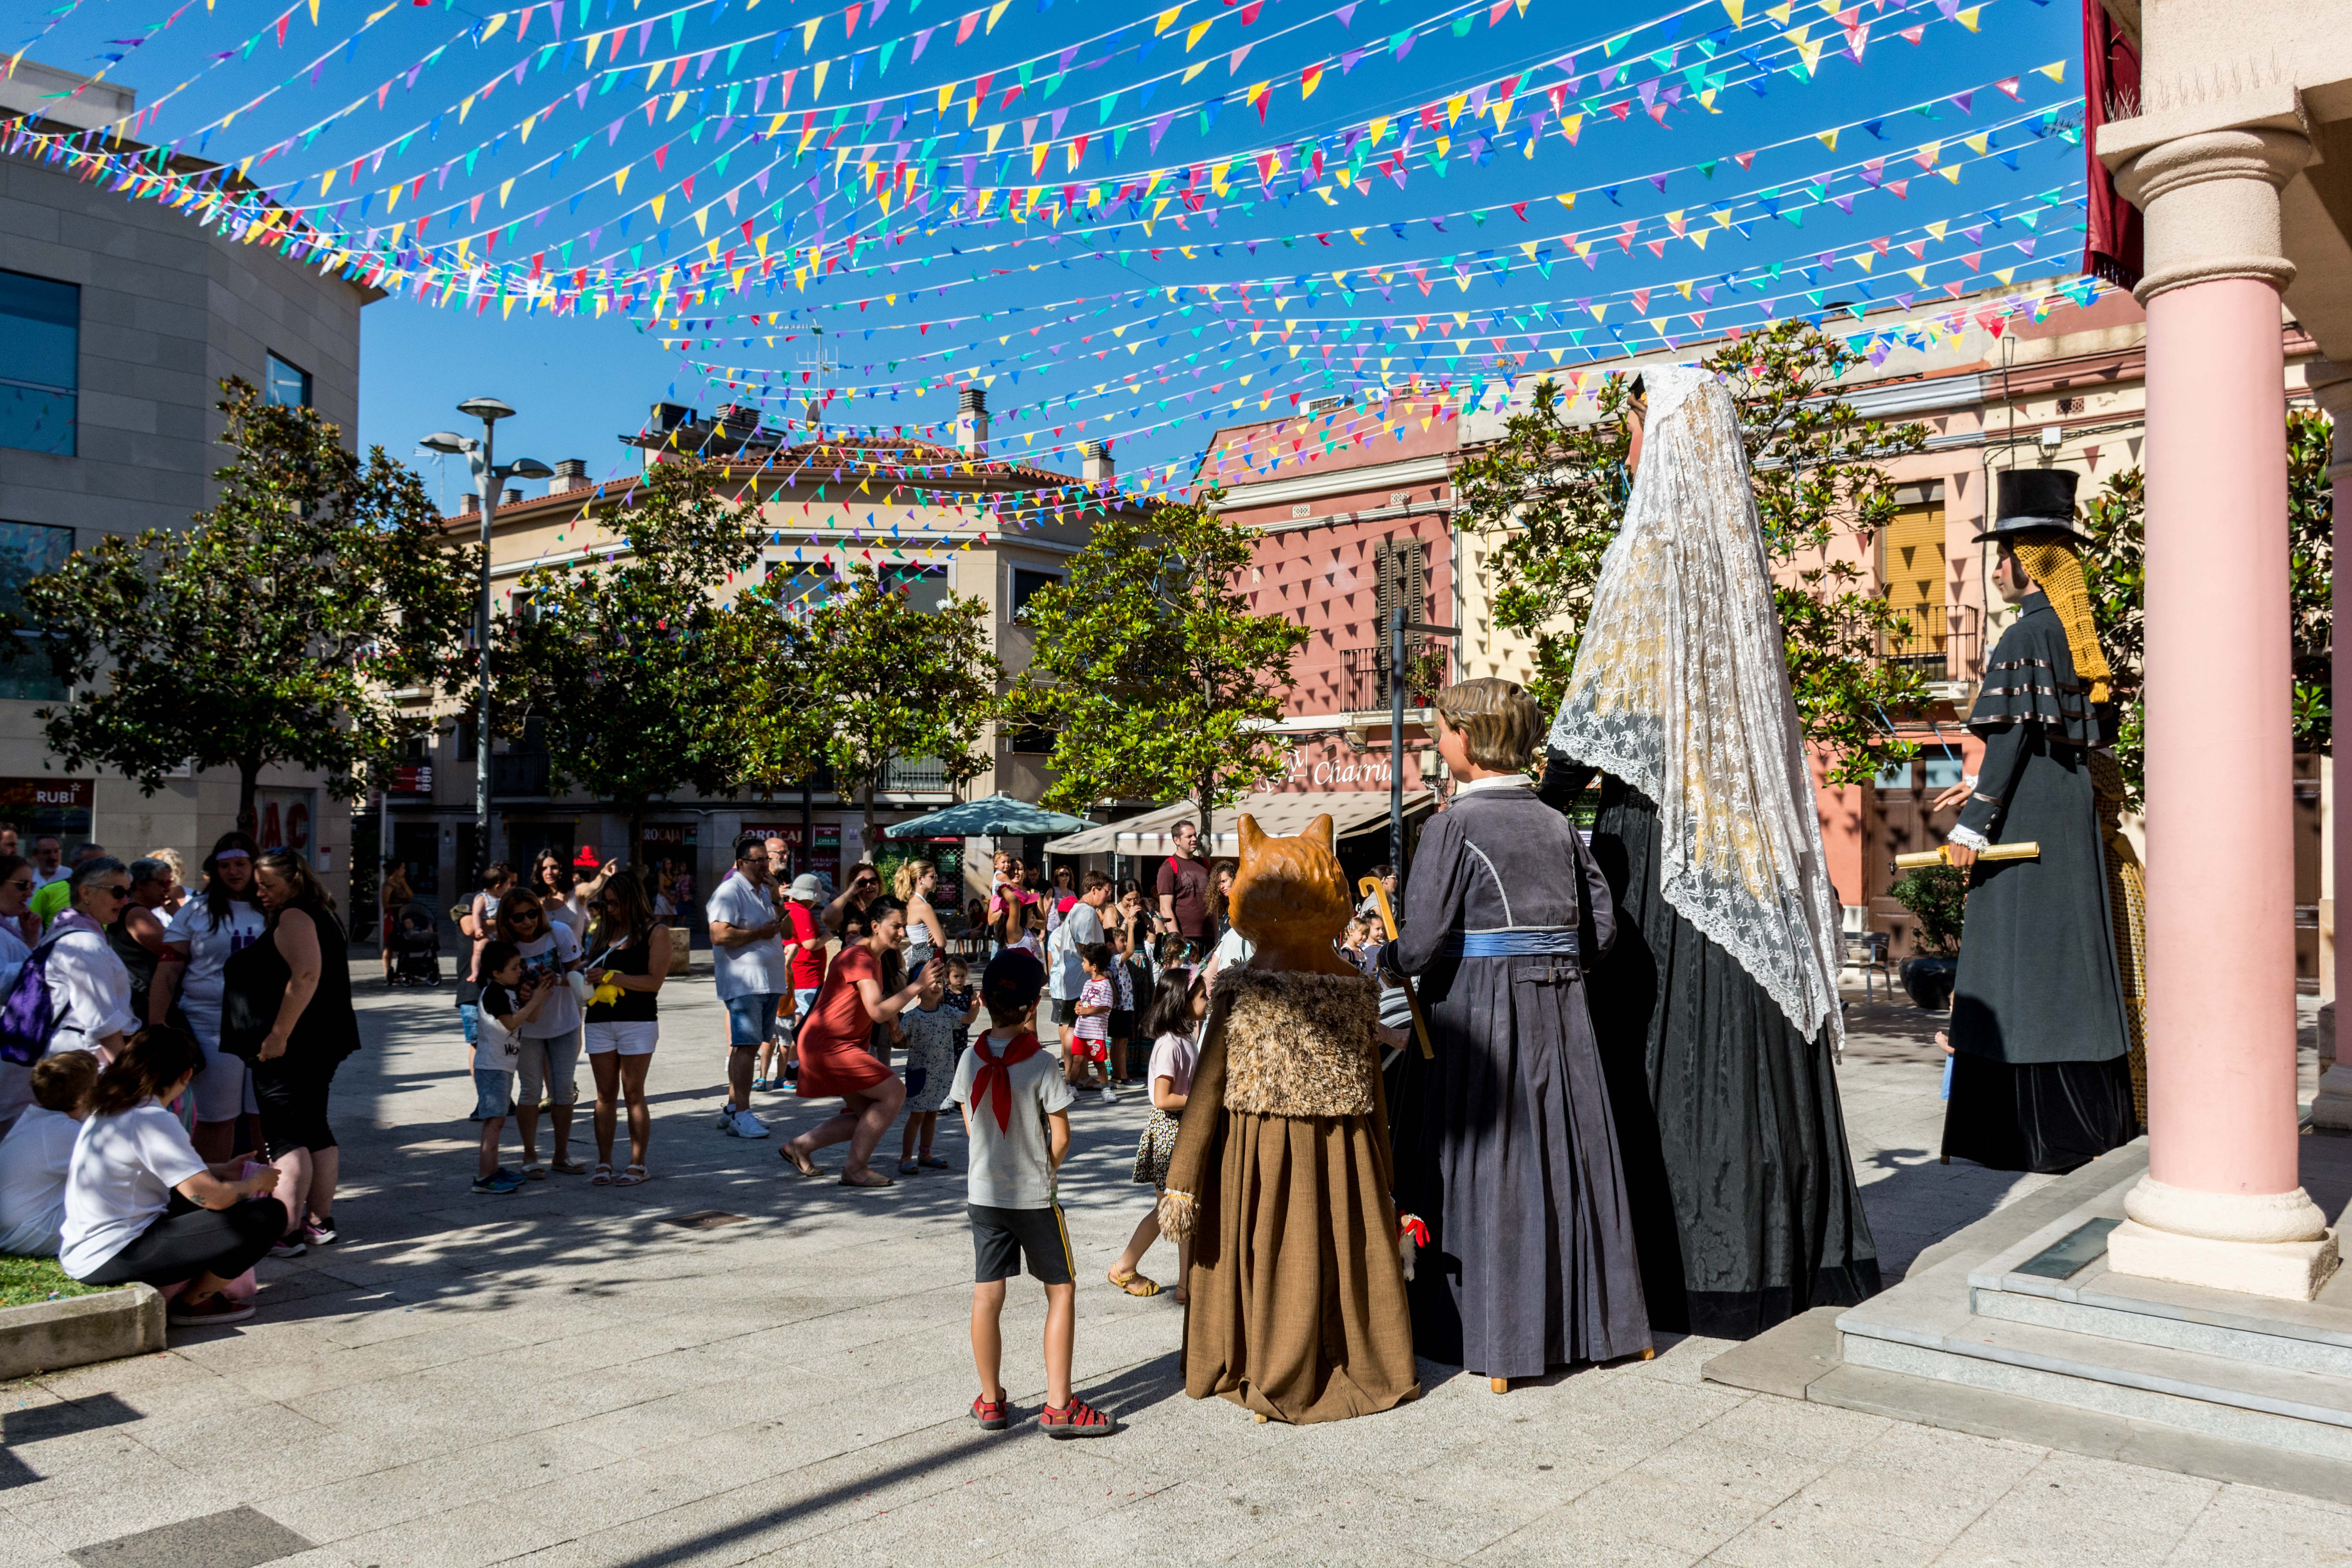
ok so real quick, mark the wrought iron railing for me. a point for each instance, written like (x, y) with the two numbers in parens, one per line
(1364, 684)
(915, 775)
(1943, 642)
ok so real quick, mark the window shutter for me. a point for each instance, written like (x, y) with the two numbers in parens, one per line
(1384, 593)
(1413, 577)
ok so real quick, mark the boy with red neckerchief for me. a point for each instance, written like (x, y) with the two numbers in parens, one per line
(1016, 1116)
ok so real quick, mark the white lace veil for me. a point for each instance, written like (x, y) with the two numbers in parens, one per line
(1681, 689)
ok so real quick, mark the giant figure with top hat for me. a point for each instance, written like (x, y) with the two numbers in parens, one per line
(2040, 1031)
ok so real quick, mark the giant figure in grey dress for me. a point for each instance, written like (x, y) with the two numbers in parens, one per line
(2042, 1066)
(1505, 1144)
(1716, 1010)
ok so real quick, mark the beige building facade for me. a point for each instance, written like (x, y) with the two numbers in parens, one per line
(119, 321)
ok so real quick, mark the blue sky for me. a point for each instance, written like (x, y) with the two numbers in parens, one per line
(1462, 250)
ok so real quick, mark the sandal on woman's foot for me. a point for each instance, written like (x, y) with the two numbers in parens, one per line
(602, 1176)
(871, 1179)
(908, 1168)
(801, 1163)
(1179, 1297)
(1135, 1284)
(630, 1176)
(534, 1172)
(933, 1162)
(569, 1167)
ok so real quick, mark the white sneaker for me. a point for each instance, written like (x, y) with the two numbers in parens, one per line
(1109, 1095)
(744, 1124)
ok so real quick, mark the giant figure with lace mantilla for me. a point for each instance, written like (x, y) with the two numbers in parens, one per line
(1716, 1009)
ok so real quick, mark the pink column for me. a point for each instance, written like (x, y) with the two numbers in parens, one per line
(2223, 1203)
(2221, 867)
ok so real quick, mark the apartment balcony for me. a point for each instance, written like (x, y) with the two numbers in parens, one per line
(1364, 681)
(915, 776)
(1945, 643)
(519, 775)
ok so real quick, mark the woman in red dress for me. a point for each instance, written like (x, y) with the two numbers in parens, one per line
(835, 1057)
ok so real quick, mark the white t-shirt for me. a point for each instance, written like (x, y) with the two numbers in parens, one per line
(124, 1168)
(543, 960)
(90, 990)
(33, 1159)
(1013, 1168)
(43, 879)
(209, 950)
(755, 969)
(1067, 974)
(496, 1048)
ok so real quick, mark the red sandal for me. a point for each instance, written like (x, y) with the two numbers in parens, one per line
(994, 1416)
(1075, 1419)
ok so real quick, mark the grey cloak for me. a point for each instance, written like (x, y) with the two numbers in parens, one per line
(1504, 1143)
(2042, 1075)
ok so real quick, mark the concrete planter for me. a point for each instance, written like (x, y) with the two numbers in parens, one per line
(50, 1336)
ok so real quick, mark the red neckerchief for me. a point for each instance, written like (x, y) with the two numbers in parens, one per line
(992, 1085)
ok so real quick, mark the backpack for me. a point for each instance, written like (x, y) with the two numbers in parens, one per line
(28, 1018)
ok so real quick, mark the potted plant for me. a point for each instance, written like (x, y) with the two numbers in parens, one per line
(1937, 897)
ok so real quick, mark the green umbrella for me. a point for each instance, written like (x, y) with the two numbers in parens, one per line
(997, 817)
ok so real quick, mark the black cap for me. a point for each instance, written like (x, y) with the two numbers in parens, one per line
(2035, 501)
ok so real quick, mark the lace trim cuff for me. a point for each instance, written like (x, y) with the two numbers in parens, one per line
(1969, 838)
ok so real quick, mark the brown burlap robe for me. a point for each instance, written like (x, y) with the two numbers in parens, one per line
(1282, 1175)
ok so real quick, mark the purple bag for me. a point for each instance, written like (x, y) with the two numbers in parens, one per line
(28, 1018)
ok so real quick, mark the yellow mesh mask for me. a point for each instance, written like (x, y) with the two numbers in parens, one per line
(2057, 569)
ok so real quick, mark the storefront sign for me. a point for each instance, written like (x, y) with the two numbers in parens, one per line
(58, 808)
(284, 818)
(824, 858)
(412, 778)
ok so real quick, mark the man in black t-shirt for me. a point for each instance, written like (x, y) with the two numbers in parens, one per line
(1184, 888)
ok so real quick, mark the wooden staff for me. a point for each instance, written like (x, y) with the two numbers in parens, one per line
(1370, 887)
(1942, 855)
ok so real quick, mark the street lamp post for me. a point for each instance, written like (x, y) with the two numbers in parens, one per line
(489, 480)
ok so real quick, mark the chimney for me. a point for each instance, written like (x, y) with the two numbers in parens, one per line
(971, 421)
(570, 474)
(668, 417)
(512, 494)
(1096, 466)
(467, 503)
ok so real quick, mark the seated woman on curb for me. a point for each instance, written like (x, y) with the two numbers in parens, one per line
(141, 1204)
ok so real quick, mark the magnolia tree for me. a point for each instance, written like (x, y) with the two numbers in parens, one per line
(1551, 494)
(888, 680)
(272, 631)
(625, 658)
(2115, 570)
(1152, 674)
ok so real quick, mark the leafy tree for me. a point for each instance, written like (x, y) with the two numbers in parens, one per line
(2115, 568)
(270, 632)
(1154, 674)
(1552, 495)
(891, 679)
(625, 660)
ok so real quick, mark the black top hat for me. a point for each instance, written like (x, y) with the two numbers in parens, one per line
(2035, 501)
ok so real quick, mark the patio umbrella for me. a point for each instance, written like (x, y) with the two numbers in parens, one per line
(997, 816)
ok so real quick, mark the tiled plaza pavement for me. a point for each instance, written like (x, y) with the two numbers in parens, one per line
(561, 1378)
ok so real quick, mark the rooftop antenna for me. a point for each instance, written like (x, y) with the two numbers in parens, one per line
(817, 366)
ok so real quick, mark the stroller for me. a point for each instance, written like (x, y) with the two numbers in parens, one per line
(416, 946)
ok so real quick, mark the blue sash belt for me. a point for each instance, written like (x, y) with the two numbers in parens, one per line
(1522, 943)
